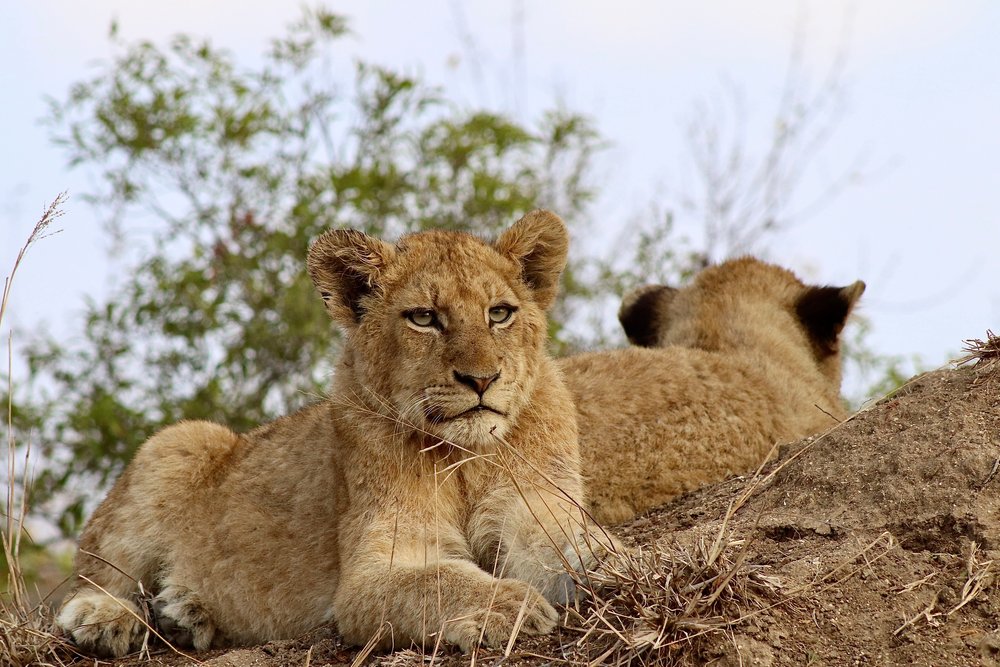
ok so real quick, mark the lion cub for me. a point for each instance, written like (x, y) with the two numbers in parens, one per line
(745, 357)
(432, 495)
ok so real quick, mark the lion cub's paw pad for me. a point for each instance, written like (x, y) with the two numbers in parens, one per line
(182, 619)
(102, 625)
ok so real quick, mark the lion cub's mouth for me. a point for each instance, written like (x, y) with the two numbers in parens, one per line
(437, 415)
(480, 408)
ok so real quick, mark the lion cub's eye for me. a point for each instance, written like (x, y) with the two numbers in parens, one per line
(500, 314)
(422, 318)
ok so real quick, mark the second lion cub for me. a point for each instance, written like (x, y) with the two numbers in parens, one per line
(745, 357)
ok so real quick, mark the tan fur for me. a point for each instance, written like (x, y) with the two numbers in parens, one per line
(387, 508)
(745, 357)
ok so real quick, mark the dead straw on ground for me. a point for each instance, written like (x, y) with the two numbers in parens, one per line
(980, 576)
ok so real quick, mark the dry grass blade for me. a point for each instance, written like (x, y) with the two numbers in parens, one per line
(29, 637)
(369, 648)
(979, 576)
(927, 613)
(405, 658)
(914, 585)
(39, 231)
(27, 633)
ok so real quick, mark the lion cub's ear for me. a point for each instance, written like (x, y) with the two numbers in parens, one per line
(643, 313)
(824, 310)
(345, 265)
(538, 242)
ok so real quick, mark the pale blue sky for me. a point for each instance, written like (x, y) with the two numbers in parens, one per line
(922, 229)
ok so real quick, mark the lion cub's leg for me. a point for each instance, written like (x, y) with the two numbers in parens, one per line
(547, 540)
(492, 611)
(102, 614)
(450, 599)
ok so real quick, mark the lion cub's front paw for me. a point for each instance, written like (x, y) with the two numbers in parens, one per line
(493, 624)
(102, 625)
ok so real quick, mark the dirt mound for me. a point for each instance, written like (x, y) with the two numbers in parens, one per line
(883, 534)
(872, 544)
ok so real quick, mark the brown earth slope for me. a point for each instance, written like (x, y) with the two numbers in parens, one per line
(873, 544)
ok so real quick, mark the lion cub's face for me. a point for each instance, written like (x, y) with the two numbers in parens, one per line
(452, 344)
(445, 331)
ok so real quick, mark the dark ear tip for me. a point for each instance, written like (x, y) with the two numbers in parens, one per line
(642, 313)
(638, 294)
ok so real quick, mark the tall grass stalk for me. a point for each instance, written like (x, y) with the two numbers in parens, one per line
(27, 635)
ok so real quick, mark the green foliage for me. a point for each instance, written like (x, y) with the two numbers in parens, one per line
(214, 180)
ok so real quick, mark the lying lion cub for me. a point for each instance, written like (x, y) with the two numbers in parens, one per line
(745, 357)
(431, 496)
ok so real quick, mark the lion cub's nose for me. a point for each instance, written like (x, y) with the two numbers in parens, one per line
(476, 383)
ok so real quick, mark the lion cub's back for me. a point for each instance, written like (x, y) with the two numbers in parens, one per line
(655, 423)
(184, 455)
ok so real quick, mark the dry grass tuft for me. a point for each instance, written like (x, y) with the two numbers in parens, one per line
(650, 607)
(40, 231)
(404, 658)
(984, 352)
(29, 637)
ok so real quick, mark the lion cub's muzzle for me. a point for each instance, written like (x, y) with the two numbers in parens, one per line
(448, 403)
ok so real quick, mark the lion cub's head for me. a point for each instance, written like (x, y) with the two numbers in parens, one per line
(445, 332)
(740, 303)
